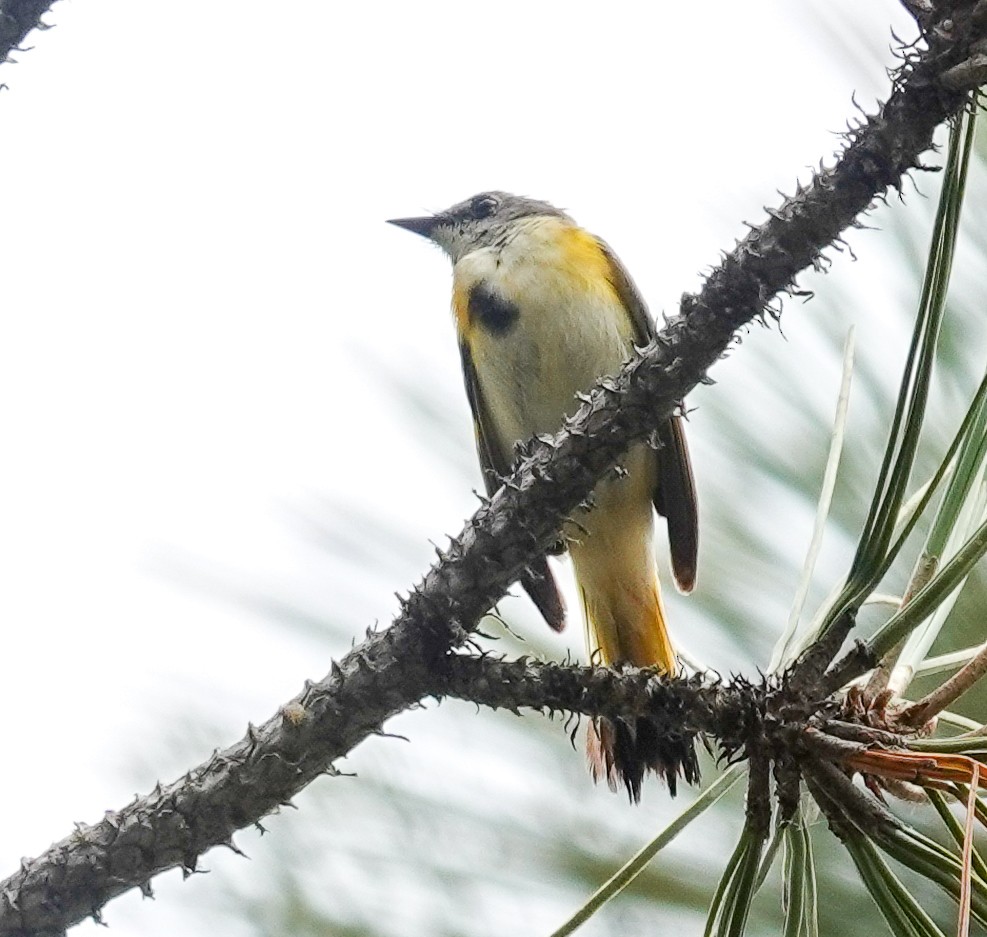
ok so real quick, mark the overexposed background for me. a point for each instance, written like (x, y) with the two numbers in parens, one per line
(232, 416)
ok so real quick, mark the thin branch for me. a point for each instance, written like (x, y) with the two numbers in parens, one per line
(942, 696)
(394, 669)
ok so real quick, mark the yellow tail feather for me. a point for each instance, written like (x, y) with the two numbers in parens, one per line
(617, 577)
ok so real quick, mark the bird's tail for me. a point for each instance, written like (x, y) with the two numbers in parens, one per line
(626, 624)
(625, 616)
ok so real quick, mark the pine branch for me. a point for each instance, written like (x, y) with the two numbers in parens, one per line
(17, 19)
(673, 706)
(394, 669)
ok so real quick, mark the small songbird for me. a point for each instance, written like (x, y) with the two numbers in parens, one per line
(543, 310)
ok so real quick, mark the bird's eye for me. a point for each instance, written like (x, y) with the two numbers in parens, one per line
(483, 206)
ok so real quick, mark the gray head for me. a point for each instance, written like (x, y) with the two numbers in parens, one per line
(481, 221)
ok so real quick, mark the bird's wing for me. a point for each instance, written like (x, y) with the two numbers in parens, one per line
(537, 580)
(675, 494)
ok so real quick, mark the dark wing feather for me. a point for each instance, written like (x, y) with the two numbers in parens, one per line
(675, 498)
(537, 580)
(675, 494)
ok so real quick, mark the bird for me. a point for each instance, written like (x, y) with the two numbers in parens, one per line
(543, 309)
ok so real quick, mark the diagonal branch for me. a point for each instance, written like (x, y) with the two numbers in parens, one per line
(395, 668)
(17, 19)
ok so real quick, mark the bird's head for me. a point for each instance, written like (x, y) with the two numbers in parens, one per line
(485, 220)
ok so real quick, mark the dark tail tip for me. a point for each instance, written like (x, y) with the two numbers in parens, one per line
(623, 752)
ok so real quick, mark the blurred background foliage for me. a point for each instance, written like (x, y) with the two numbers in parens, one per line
(481, 822)
(484, 822)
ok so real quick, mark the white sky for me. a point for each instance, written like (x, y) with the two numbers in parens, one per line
(198, 288)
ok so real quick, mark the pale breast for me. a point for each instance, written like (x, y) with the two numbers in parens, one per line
(570, 328)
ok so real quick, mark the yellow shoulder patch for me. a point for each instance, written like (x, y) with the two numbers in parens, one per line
(584, 258)
(460, 307)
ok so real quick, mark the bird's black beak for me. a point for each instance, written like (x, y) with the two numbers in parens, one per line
(424, 226)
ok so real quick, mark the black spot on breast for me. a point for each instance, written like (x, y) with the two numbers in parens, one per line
(491, 311)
